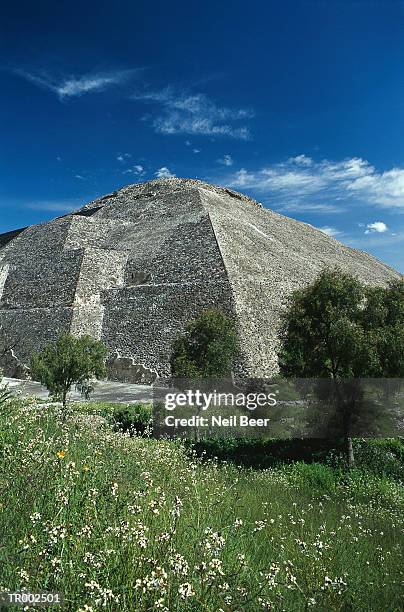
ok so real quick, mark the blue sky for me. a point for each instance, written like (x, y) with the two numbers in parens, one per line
(297, 103)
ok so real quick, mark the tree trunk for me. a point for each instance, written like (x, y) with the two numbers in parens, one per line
(346, 406)
(347, 417)
(349, 452)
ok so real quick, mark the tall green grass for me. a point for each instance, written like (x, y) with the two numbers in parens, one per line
(118, 522)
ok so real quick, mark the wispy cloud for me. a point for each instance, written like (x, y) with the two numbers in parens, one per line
(75, 86)
(62, 206)
(164, 172)
(182, 113)
(123, 156)
(376, 240)
(137, 170)
(311, 207)
(300, 183)
(226, 160)
(330, 231)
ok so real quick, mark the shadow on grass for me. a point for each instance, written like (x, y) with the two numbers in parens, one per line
(266, 453)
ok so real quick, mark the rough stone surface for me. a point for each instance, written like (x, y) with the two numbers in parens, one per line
(125, 369)
(13, 366)
(133, 267)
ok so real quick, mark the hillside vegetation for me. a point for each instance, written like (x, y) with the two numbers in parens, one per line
(129, 523)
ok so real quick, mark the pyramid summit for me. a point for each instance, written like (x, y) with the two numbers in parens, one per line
(133, 267)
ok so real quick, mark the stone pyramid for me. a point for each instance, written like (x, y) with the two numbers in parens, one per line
(132, 267)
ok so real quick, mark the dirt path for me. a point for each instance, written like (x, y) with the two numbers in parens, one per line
(106, 391)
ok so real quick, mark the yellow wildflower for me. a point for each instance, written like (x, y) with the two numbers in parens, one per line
(61, 454)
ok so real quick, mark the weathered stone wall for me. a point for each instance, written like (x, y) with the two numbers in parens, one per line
(126, 369)
(41, 274)
(100, 269)
(32, 328)
(267, 256)
(95, 232)
(12, 365)
(4, 269)
(9, 236)
(132, 268)
(38, 292)
(174, 270)
(142, 322)
(184, 253)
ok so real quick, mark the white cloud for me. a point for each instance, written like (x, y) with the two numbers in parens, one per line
(280, 177)
(80, 177)
(330, 231)
(378, 226)
(123, 156)
(195, 114)
(226, 160)
(301, 183)
(196, 150)
(75, 86)
(301, 160)
(385, 188)
(138, 170)
(164, 172)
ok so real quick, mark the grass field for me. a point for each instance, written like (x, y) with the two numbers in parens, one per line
(125, 523)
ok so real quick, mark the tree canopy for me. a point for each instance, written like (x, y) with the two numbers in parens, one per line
(338, 327)
(341, 329)
(69, 361)
(207, 347)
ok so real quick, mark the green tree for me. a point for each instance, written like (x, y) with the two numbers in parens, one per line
(383, 320)
(206, 349)
(338, 328)
(69, 361)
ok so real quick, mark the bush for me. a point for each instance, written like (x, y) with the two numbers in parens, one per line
(206, 349)
(264, 453)
(135, 419)
(384, 456)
